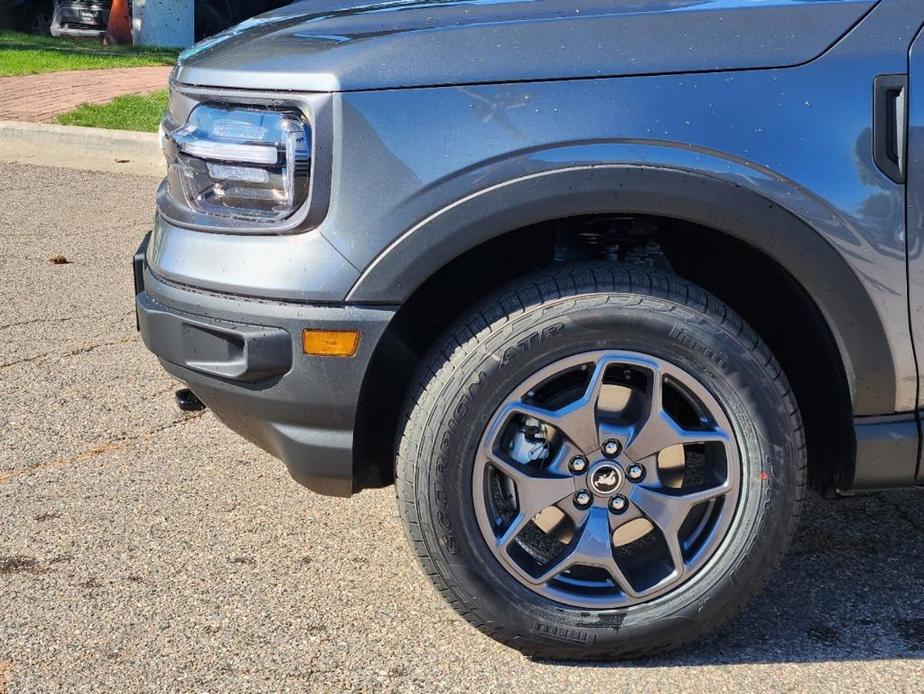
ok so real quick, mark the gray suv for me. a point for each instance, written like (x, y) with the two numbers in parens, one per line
(602, 287)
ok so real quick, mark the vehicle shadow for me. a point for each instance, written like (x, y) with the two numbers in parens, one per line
(851, 588)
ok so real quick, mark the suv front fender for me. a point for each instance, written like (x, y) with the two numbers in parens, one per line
(705, 198)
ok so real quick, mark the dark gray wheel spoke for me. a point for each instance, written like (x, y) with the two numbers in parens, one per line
(630, 514)
(577, 515)
(668, 511)
(563, 456)
(513, 529)
(657, 430)
(660, 431)
(578, 419)
(559, 466)
(536, 490)
(592, 547)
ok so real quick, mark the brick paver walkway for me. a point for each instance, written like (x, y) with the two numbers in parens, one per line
(39, 98)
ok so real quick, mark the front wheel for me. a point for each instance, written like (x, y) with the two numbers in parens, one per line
(600, 463)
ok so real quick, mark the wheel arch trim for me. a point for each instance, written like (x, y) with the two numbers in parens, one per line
(742, 204)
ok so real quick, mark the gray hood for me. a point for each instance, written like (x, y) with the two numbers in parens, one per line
(320, 45)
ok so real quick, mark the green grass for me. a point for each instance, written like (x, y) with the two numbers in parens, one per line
(26, 54)
(130, 112)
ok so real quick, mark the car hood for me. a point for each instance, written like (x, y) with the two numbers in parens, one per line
(321, 45)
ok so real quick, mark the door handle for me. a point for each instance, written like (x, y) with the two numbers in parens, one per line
(890, 104)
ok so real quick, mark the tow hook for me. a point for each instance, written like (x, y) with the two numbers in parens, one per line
(187, 401)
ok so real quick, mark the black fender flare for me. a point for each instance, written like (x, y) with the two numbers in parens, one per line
(693, 196)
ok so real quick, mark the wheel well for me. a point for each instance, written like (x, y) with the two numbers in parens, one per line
(748, 280)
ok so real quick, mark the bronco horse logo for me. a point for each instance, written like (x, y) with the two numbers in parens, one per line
(606, 479)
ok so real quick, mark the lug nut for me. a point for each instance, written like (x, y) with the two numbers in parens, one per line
(577, 465)
(582, 499)
(635, 472)
(611, 448)
(618, 504)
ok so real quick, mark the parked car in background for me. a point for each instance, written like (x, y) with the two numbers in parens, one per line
(71, 18)
(80, 18)
(602, 287)
(88, 18)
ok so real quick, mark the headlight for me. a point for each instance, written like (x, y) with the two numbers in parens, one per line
(244, 163)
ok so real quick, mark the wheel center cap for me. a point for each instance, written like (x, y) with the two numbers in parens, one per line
(605, 479)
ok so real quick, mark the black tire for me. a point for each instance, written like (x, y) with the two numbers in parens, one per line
(564, 311)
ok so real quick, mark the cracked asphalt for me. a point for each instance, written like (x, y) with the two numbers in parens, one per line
(146, 550)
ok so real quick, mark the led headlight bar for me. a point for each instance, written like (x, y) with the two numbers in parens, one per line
(239, 162)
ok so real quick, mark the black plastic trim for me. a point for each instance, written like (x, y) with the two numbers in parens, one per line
(306, 417)
(741, 213)
(138, 263)
(138, 271)
(890, 125)
(886, 454)
(237, 352)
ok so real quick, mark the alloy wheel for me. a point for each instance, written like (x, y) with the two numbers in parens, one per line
(607, 479)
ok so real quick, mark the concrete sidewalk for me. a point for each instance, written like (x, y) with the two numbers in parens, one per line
(90, 149)
(39, 98)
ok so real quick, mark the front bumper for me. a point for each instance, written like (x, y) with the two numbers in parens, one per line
(243, 358)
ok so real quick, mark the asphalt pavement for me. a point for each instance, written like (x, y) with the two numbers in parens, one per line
(142, 549)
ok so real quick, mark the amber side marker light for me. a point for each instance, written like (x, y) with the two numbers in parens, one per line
(330, 343)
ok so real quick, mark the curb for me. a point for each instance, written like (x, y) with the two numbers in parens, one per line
(89, 149)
